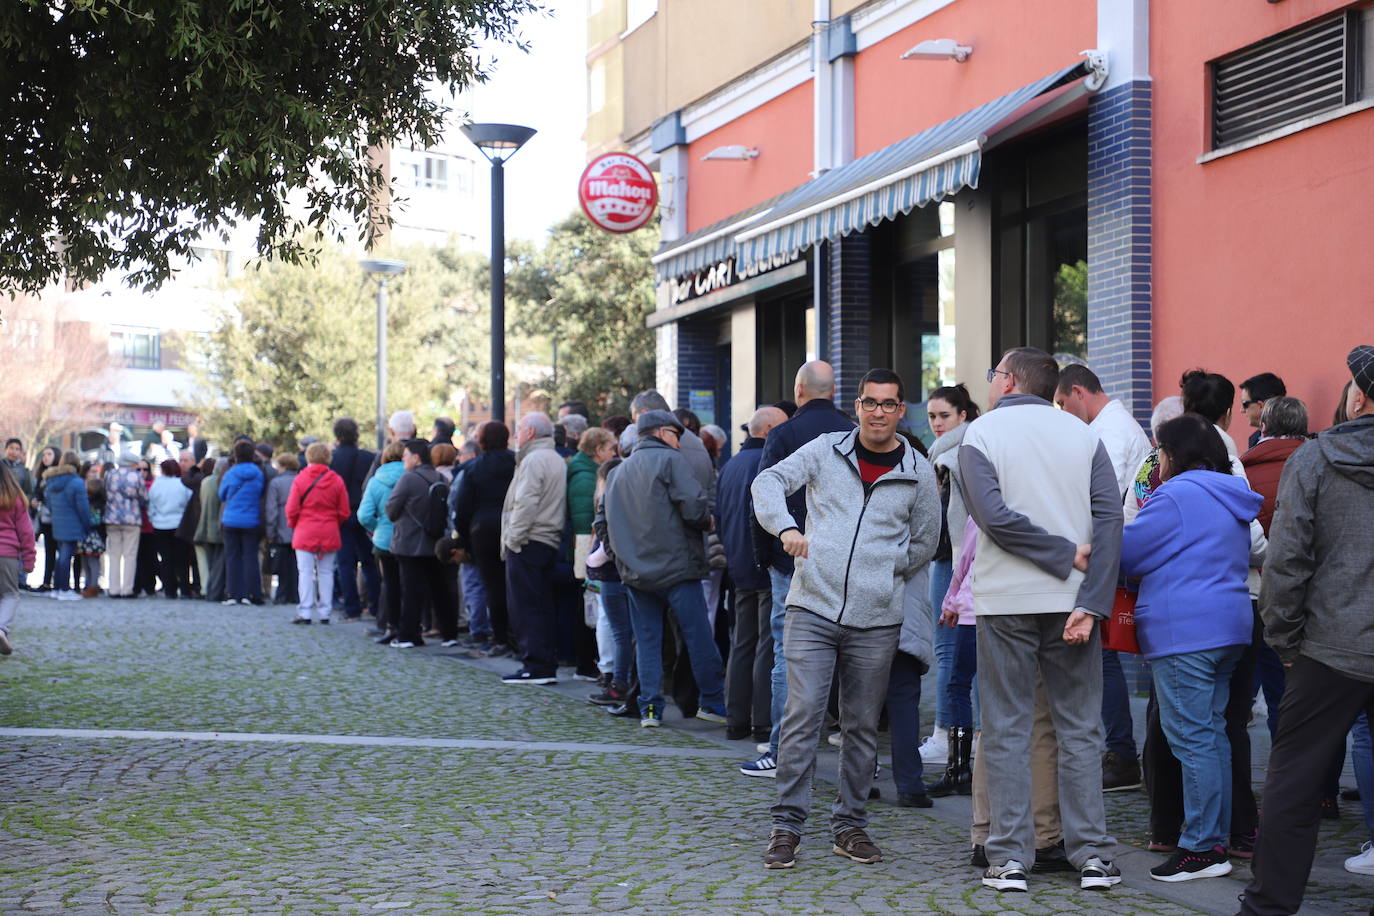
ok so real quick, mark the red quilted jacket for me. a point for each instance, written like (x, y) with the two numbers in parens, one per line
(1264, 466)
(317, 506)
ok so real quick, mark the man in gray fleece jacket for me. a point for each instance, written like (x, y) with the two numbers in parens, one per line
(1318, 612)
(873, 521)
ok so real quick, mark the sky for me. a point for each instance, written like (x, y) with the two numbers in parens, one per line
(544, 89)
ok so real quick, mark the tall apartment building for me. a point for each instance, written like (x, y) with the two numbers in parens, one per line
(1142, 186)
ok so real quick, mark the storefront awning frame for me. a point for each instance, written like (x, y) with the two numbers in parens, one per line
(925, 167)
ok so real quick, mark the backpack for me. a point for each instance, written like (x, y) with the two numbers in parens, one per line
(434, 516)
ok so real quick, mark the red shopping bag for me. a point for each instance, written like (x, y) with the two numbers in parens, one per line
(1118, 631)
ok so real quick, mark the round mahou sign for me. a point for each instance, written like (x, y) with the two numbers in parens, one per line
(618, 192)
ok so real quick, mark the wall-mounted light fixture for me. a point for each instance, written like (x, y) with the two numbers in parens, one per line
(732, 152)
(939, 49)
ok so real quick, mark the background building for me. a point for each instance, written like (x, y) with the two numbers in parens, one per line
(1162, 202)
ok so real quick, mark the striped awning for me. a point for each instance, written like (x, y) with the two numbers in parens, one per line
(911, 173)
(709, 245)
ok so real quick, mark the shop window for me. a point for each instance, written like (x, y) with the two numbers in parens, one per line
(136, 348)
(913, 299)
(1310, 70)
(785, 341)
(1040, 246)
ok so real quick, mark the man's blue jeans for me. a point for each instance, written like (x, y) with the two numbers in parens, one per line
(941, 572)
(904, 724)
(1192, 690)
(1116, 707)
(475, 597)
(782, 583)
(1362, 756)
(687, 602)
(356, 547)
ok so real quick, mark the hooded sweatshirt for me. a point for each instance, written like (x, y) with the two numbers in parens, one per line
(1191, 543)
(944, 455)
(1316, 600)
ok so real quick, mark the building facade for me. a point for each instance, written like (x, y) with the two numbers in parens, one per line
(923, 183)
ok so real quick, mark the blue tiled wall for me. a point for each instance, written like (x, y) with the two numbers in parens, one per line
(1119, 243)
(851, 312)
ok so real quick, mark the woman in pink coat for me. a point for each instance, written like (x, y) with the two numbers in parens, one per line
(316, 507)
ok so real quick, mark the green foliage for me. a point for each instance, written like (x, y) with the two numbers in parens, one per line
(131, 126)
(1071, 309)
(591, 290)
(299, 349)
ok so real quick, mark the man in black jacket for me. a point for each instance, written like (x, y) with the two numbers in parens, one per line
(748, 672)
(816, 415)
(352, 464)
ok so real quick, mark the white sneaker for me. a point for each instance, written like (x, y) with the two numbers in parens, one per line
(762, 747)
(1009, 877)
(935, 749)
(1362, 864)
(68, 596)
(229, 602)
(834, 739)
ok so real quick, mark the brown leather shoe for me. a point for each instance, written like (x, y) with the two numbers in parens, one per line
(782, 849)
(854, 844)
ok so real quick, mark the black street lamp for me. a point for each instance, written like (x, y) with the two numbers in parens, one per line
(498, 142)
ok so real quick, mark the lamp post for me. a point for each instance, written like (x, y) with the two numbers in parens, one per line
(498, 142)
(381, 270)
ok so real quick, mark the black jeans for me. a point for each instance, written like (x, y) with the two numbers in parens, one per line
(486, 550)
(145, 565)
(1164, 776)
(288, 577)
(171, 561)
(49, 554)
(749, 671)
(534, 615)
(1319, 707)
(423, 580)
(389, 606)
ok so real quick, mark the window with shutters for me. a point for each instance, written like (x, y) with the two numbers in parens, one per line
(1313, 70)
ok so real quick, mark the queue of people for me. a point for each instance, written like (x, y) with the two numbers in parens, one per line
(1016, 559)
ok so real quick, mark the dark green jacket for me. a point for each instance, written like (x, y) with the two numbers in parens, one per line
(581, 491)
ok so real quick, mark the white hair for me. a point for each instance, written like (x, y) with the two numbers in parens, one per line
(538, 422)
(574, 423)
(402, 423)
(1166, 410)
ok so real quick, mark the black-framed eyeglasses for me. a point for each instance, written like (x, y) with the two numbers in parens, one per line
(1245, 405)
(868, 405)
(993, 373)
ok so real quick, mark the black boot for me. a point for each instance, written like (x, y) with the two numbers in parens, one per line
(958, 778)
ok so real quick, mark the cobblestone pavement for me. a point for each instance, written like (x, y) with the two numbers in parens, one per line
(518, 800)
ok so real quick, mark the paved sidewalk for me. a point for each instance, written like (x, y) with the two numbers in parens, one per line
(161, 757)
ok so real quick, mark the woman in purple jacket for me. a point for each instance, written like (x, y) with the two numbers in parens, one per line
(1191, 545)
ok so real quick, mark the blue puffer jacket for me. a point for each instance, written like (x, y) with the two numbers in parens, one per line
(241, 493)
(65, 495)
(372, 510)
(1191, 542)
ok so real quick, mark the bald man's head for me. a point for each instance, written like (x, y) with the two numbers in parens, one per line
(815, 379)
(764, 419)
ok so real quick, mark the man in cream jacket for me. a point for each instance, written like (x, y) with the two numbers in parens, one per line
(1043, 492)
